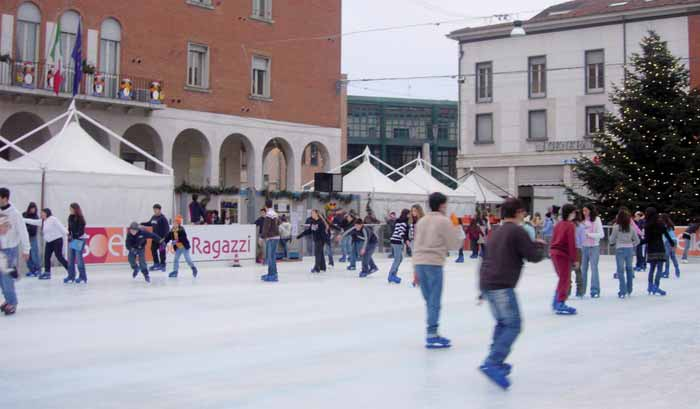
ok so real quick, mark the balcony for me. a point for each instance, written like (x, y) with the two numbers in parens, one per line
(23, 80)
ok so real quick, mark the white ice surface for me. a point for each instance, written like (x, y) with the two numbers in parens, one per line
(228, 340)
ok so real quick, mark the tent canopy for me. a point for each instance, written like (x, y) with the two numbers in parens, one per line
(420, 178)
(367, 178)
(483, 194)
(73, 167)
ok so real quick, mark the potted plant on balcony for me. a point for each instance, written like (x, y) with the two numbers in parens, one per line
(88, 68)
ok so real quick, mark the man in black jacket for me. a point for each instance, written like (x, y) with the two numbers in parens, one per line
(498, 276)
(136, 244)
(160, 226)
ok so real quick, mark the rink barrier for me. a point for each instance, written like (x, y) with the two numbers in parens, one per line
(694, 252)
(106, 245)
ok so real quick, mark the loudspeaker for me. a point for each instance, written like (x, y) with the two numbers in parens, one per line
(328, 182)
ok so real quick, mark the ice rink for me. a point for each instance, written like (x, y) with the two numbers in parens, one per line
(228, 340)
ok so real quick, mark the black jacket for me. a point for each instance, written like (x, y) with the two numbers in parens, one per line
(316, 229)
(159, 224)
(508, 247)
(31, 230)
(181, 237)
(138, 241)
(654, 237)
(76, 227)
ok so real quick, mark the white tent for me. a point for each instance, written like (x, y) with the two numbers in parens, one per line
(73, 167)
(483, 194)
(366, 178)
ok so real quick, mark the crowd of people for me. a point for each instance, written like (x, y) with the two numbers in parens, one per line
(569, 236)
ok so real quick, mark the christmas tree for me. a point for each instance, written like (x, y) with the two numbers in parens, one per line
(649, 152)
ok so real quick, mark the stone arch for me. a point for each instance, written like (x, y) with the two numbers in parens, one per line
(192, 158)
(19, 124)
(314, 158)
(278, 165)
(96, 133)
(237, 162)
(146, 138)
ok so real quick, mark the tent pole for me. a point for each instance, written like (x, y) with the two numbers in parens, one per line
(127, 143)
(32, 132)
(43, 187)
(17, 148)
(403, 167)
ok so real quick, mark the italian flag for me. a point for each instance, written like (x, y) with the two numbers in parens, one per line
(57, 59)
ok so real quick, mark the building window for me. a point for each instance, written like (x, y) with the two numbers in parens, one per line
(198, 66)
(595, 71)
(446, 161)
(110, 42)
(28, 21)
(595, 120)
(443, 133)
(363, 121)
(261, 77)
(414, 119)
(537, 125)
(484, 82)
(401, 133)
(538, 77)
(262, 9)
(484, 128)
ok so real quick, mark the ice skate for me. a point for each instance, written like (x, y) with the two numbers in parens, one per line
(81, 281)
(147, 277)
(172, 274)
(496, 374)
(394, 279)
(194, 272)
(134, 273)
(9, 309)
(621, 295)
(437, 342)
(460, 259)
(45, 276)
(563, 309)
(68, 280)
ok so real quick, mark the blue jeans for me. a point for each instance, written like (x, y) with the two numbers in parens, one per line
(346, 246)
(179, 253)
(625, 271)
(329, 250)
(367, 260)
(506, 312)
(354, 253)
(271, 256)
(76, 257)
(285, 247)
(397, 251)
(430, 278)
(688, 243)
(6, 281)
(34, 261)
(141, 254)
(590, 256)
(671, 257)
(658, 266)
(641, 259)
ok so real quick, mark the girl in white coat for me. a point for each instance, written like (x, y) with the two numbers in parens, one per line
(590, 251)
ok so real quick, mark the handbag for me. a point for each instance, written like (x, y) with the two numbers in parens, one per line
(77, 244)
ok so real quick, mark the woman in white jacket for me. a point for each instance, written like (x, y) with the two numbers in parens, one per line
(53, 232)
(590, 251)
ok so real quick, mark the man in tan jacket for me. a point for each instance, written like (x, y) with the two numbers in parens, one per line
(435, 236)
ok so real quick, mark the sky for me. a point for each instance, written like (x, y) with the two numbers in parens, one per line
(417, 51)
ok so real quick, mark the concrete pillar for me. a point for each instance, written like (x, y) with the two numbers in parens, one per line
(427, 157)
(213, 163)
(256, 169)
(568, 176)
(512, 183)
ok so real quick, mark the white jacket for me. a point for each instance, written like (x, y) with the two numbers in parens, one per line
(53, 229)
(17, 234)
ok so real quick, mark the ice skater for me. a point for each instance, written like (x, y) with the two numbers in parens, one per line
(318, 230)
(34, 262)
(181, 244)
(136, 240)
(625, 239)
(271, 235)
(591, 248)
(365, 239)
(563, 254)
(53, 232)
(670, 246)
(498, 276)
(435, 236)
(160, 226)
(76, 245)
(688, 234)
(399, 239)
(13, 241)
(654, 232)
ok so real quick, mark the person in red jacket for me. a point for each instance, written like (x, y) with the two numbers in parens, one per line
(563, 254)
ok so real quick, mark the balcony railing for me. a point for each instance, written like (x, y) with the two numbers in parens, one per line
(39, 76)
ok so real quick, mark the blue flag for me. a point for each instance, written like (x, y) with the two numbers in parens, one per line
(78, 61)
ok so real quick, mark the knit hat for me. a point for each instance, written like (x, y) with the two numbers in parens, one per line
(179, 219)
(134, 226)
